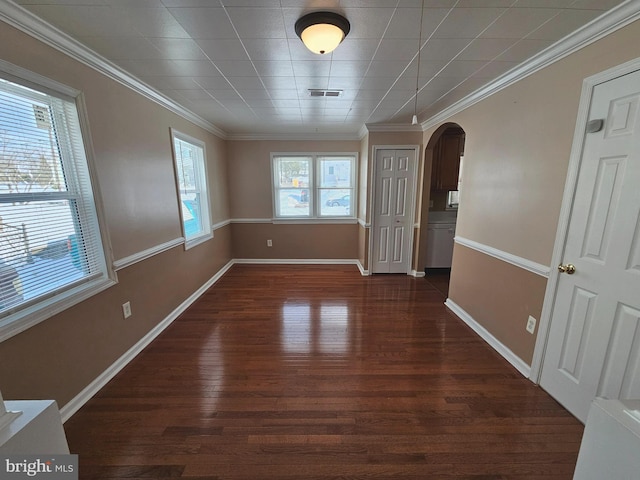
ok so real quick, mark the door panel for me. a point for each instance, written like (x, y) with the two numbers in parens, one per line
(393, 207)
(593, 347)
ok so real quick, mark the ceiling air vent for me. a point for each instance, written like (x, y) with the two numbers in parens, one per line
(319, 92)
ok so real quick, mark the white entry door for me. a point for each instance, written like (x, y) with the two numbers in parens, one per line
(393, 211)
(593, 348)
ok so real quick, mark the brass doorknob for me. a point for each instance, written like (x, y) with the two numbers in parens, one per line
(568, 269)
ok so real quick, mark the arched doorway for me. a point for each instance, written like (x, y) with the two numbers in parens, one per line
(444, 157)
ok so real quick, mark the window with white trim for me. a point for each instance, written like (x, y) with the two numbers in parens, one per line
(191, 177)
(314, 186)
(51, 249)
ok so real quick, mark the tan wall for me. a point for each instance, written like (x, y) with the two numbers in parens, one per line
(249, 173)
(502, 301)
(250, 188)
(131, 138)
(517, 149)
(295, 241)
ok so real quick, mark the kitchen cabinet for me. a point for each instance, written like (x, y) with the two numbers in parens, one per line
(446, 160)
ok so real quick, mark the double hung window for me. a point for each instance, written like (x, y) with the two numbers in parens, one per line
(314, 186)
(191, 175)
(51, 249)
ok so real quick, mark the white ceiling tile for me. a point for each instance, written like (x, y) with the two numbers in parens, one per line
(311, 69)
(252, 3)
(355, 49)
(122, 48)
(368, 22)
(153, 22)
(236, 68)
(267, 49)
(194, 68)
(398, 49)
(212, 82)
(223, 49)
(87, 21)
(177, 48)
(246, 83)
(486, 48)
(467, 22)
(523, 50)
(279, 82)
(443, 49)
(259, 69)
(564, 23)
(204, 22)
(348, 69)
(253, 94)
(134, 3)
(274, 69)
(519, 22)
(258, 22)
(169, 82)
(495, 69)
(601, 5)
(406, 23)
(462, 68)
(150, 68)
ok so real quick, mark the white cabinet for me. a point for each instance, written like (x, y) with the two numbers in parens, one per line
(610, 446)
(440, 244)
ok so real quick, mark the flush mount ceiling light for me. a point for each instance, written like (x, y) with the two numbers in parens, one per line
(322, 32)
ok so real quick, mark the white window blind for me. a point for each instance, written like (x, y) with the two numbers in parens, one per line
(50, 240)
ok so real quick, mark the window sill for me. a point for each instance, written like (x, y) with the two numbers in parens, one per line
(194, 242)
(28, 317)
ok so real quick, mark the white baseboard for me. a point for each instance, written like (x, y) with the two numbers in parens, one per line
(417, 274)
(496, 344)
(90, 390)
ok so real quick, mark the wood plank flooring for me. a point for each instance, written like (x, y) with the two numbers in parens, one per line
(315, 372)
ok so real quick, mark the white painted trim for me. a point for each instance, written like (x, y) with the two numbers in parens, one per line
(37, 28)
(571, 183)
(393, 127)
(533, 267)
(298, 261)
(306, 136)
(219, 225)
(620, 16)
(313, 221)
(417, 274)
(251, 220)
(363, 272)
(363, 223)
(90, 390)
(145, 254)
(496, 344)
(150, 252)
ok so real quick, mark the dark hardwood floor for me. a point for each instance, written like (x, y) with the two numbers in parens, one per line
(315, 372)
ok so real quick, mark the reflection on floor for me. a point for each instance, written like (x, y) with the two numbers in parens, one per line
(438, 278)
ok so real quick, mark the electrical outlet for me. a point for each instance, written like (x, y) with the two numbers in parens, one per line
(126, 309)
(269, 243)
(531, 324)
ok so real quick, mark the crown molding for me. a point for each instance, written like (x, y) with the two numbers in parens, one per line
(393, 127)
(27, 22)
(331, 137)
(620, 16)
